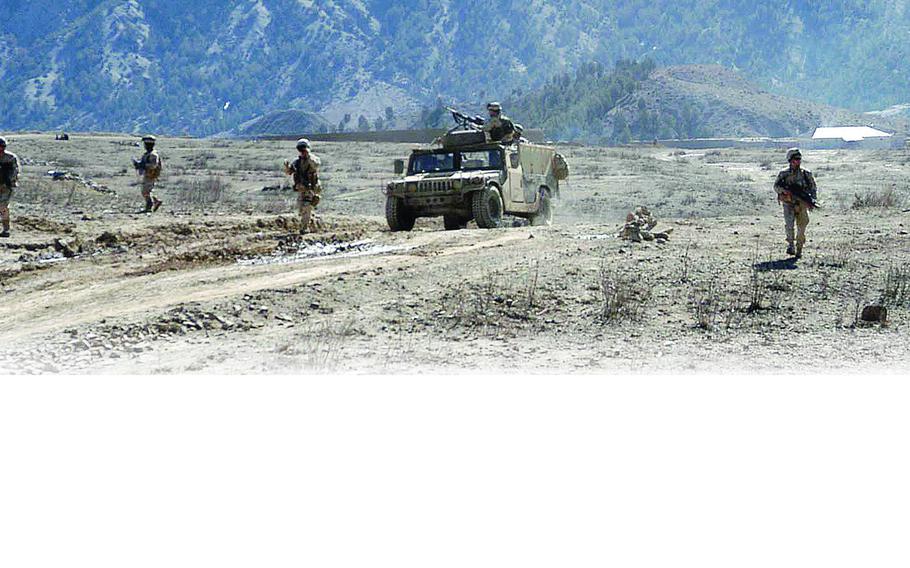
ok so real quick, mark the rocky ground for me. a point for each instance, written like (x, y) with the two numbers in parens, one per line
(223, 284)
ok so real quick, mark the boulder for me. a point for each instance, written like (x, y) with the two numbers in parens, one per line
(875, 314)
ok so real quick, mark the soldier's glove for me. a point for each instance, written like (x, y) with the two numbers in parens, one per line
(785, 197)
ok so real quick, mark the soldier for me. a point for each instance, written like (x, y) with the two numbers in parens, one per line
(305, 170)
(149, 167)
(9, 179)
(499, 128)
(797, 192)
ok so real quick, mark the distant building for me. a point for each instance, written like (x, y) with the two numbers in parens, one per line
(832, 137)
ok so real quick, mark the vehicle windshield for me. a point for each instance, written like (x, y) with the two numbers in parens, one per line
(483, 160)
(455, 161)
(429, 163)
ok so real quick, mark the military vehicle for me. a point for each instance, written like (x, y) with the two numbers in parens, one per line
(465, 176)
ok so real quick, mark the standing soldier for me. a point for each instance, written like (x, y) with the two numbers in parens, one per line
(499, 128)
(149, 167)
(305, 170)
(797, 192)
(9, 179)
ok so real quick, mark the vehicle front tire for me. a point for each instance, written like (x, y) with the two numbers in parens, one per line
(398, 215)
(488, 208)
(544, 216)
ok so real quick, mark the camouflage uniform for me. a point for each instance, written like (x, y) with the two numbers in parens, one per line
(306, 184)
(796, 210)
(149, 167)
(500, 129)
(9, 179)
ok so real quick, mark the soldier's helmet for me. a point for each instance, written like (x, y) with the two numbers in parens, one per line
(2, 141)
(793, 153)
(303, 144)
(149, 139)
(494, 107)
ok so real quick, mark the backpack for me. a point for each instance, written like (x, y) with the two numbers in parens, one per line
(560, 167)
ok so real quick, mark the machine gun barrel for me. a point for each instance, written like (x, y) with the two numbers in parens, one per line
(465, 120)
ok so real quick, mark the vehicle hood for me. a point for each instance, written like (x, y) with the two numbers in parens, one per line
(453, 176)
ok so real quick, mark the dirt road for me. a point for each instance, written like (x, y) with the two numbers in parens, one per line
(85, 290)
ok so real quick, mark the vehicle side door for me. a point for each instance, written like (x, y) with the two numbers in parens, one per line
(515, 186)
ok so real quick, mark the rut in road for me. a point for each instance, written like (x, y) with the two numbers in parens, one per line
(109, 294)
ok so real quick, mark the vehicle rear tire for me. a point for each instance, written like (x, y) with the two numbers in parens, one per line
(487, 206)
(398, 215)
(544, 216)
(453, 222)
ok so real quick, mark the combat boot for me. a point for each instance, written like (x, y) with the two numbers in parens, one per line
(5, 233)
(791, 250)
(148, 206)
(156, 203)
(799, 251)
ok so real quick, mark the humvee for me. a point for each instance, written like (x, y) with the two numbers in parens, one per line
(466, 177)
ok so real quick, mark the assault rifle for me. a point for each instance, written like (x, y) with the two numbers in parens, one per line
(6, 175)
(464, 121)
(802, 195)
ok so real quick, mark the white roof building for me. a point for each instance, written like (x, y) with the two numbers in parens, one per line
(849, 133)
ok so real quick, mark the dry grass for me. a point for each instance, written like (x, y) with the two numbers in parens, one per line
(885, 198)
(320, 346)
(836, 254)
(714, 308)
(203, 192)
(896, 286)
(623, 294)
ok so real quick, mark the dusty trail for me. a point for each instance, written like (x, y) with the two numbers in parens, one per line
(105, 292)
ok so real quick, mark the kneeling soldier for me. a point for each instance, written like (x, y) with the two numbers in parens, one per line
(305, 170)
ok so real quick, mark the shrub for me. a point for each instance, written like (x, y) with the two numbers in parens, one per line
(883, 199)
(896, 286)
(623, 296)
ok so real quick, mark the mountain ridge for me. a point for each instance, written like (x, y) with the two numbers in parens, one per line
(211, 65)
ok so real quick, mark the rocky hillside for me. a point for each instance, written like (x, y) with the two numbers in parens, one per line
(707, 101)
(637, 101)
(210, 65)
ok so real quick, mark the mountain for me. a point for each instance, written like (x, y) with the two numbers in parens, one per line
(706, 101)
(208, 66)
(713, 101)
